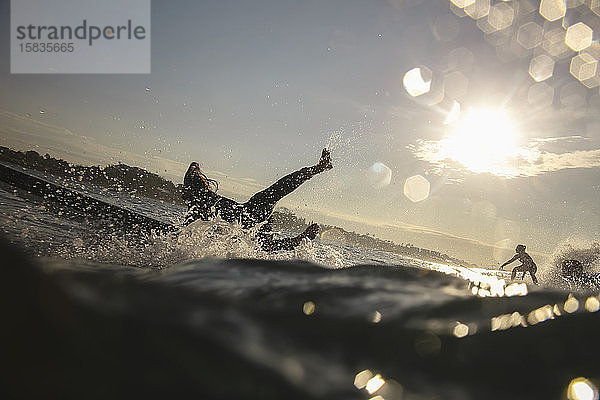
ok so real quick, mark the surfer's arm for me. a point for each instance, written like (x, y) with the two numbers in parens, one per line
(509, 261)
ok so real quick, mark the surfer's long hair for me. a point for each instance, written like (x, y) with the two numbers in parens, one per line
(187, 179)
(210, 182)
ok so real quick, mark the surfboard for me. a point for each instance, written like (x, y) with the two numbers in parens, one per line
(79, 202)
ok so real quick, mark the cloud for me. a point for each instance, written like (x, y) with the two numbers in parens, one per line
(559, 139)
(539, 156)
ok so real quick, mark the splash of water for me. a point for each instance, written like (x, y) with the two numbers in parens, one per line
(201, 239)
(335, 140)
(585, 251)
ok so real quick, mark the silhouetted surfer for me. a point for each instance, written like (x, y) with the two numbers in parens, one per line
(204, 203)
(527, 264)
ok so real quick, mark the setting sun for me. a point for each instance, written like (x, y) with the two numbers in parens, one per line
(483, 140)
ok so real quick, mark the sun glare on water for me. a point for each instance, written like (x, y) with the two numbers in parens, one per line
(483, 140)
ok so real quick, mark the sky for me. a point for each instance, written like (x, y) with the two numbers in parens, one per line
(502, 147)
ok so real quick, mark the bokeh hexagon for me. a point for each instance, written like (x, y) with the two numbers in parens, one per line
(530, 35)
(579, 36)
(553, 10)
(541, 67)
(416, 188)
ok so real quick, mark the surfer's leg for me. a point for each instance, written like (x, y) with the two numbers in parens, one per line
(261, 205)
(514, 273)
(519, 268)
(533, 277)
(291, 182)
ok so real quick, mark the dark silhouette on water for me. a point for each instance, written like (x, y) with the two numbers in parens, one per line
(527, 264)
(77, 205)
(200, 195)
(80, 206)
(572, 272)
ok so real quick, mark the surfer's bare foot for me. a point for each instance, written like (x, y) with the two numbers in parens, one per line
(325, 162)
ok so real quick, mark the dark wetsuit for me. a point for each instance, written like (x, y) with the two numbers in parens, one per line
(527, 265)
(268, 241)
(198, 196)
(205, 204)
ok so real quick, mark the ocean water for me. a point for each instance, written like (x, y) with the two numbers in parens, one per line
(93, 311)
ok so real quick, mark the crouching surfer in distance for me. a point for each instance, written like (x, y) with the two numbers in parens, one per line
(527, 264)
(200, 195)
